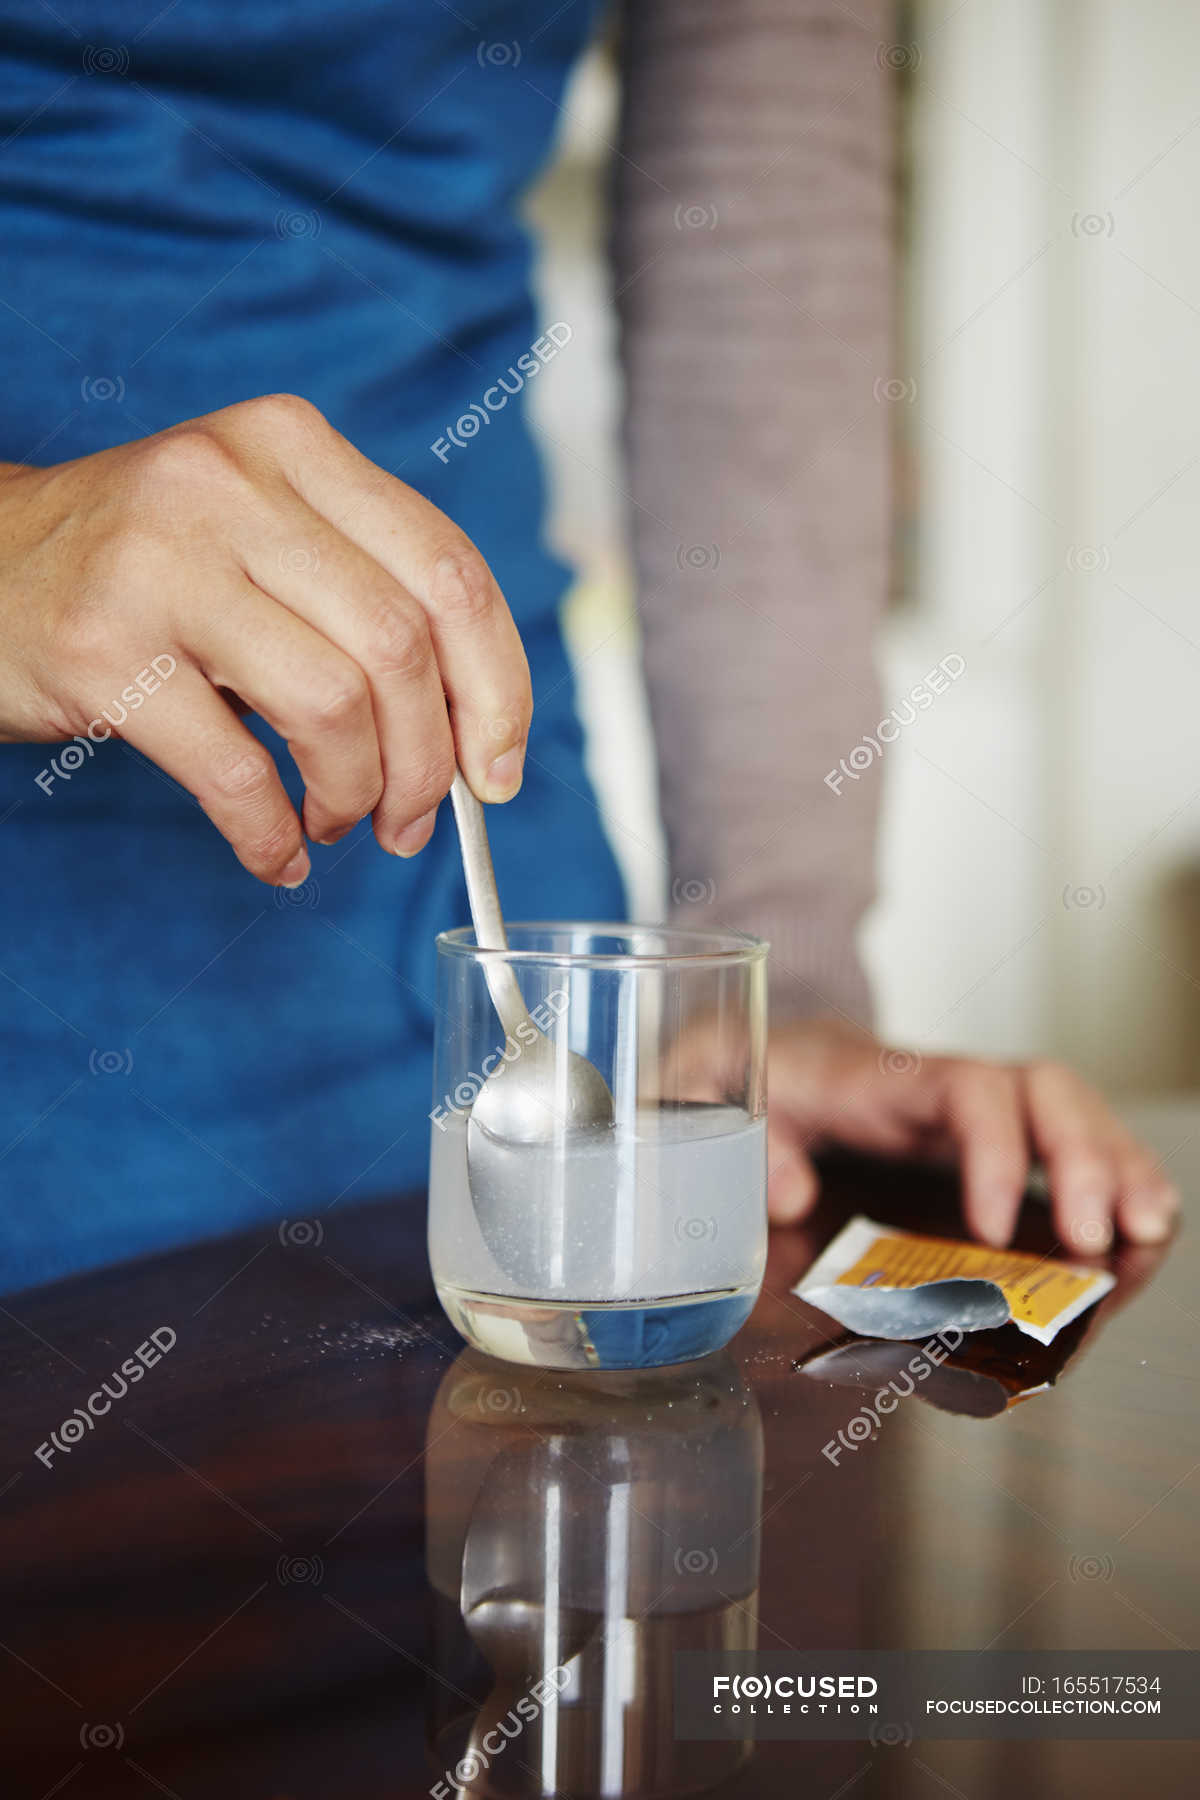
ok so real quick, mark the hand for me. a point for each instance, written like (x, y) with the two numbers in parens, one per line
(262, 555)
(830, 1084)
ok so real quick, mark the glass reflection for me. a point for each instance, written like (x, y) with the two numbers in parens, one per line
(580, 1530)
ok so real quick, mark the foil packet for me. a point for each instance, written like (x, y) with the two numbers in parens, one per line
(881, 1282)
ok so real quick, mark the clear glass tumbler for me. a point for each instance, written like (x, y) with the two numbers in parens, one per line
(618, 1246)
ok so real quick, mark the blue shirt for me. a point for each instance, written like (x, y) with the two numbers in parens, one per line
(199, 204)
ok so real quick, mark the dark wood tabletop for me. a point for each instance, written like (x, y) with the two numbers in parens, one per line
(249, 1576)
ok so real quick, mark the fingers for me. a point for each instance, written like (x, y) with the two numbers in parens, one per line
(792, 1184)
(359, 621)
(198, 740)
(478, 649)
(333, 584)
(314, 695)
(985, 1117)
(1074, 1135)
(1147, 1202)
(1097, 1171)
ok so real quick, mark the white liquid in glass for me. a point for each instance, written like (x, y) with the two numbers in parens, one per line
(631, 1247)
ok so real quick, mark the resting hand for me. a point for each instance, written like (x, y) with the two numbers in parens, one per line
(830, 1084)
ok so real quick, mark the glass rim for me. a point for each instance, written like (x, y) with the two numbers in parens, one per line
(724, 947)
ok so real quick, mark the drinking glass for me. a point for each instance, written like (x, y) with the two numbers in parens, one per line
(625, 1245)
(579, 1534)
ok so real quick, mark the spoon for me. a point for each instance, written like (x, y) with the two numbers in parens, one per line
(546, 1088)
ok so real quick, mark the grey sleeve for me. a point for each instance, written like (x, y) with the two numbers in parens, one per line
(753, 249)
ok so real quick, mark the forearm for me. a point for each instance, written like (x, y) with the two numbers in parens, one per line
(754, 275)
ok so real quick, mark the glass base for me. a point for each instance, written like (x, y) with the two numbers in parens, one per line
(594, 1334)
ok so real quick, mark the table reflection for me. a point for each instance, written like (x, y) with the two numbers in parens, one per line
(580, 1530)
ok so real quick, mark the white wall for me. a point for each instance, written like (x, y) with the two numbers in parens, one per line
(959, 944)
(1054, 302)
(1055, 331)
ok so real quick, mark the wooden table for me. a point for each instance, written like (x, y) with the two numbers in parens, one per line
(247, 1577)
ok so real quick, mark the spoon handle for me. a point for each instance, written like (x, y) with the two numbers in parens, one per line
(484, 901)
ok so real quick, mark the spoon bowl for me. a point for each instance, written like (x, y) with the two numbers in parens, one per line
(543, 1094)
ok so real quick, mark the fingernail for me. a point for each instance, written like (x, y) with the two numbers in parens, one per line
(415, 836)
(296, 871)
(504, 776)
(1147, 1223)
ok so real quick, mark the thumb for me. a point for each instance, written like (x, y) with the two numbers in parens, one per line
(792, 1184)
